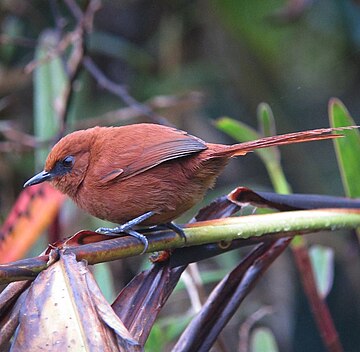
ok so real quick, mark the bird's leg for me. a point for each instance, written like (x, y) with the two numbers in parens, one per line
(128, 229)
(128, 225)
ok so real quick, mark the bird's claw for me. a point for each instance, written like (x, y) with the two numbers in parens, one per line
(141, 238)
(116, 231)
(177, 229)
(172, 226)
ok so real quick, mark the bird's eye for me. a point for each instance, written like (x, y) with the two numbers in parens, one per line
(68, 161)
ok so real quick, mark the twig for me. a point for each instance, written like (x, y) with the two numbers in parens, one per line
(21, 142)
(74, 62)
(73, 66)
(173, 105)
(248, 324)
(197, 295)
(5, 102)
(120, 91)
(192, 291)
(74, 9)
(17, 137)
(62, 46)
(59, 20)
(20, 41)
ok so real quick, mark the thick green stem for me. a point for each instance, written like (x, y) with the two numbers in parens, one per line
(257, 225)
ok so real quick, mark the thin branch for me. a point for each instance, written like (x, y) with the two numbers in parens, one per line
(61, 47)
(22, 142)
(116, 89)
(192, 290)
(247, 325)
(74, 9)
(120, 91)
(17, 137)
(172, 105)
(16, 40)
(75, 60)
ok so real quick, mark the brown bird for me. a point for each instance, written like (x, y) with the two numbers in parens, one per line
(144, 173)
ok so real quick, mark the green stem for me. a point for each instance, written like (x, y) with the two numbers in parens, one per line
(257, 225)
(278, 178)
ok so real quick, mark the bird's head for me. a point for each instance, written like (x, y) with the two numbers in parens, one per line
(67, 162)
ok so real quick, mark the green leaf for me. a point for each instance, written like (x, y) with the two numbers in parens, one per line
(50, 80)
(165, 330)
(266, 119)
(269, 156)
(243, 133)
(11, 27)
(322, 260)
(176, 325)
(156, 341)
(236, 129)
(347, 149)
(262, 339)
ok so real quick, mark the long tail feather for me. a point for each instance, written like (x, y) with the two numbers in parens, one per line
(289, 138)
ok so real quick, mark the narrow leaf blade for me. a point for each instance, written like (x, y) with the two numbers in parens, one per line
(347, 148)
(49, 83)
(322, 261)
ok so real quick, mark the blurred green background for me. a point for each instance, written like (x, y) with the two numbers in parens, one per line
(229, 56)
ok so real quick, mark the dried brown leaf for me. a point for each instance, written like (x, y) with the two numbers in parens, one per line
(64, 308)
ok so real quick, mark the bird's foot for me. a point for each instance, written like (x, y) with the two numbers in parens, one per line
(127, 228)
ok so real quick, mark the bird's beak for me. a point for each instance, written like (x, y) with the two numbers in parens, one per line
(39, 178)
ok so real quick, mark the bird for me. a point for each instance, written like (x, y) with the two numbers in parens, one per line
(145, 173)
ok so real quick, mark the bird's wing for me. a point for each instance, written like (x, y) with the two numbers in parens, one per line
(165, 151)
(153, 152)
